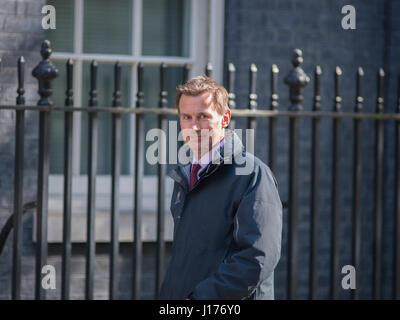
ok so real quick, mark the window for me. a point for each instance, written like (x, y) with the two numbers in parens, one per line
(130, 31)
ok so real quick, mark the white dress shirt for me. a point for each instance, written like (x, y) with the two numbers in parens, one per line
(207, 157)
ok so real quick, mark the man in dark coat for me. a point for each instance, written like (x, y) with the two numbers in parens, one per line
(225, 205)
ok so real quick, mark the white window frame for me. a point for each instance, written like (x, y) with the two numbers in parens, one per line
(205, 46)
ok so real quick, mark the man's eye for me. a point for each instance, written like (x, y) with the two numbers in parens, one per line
(203, 116)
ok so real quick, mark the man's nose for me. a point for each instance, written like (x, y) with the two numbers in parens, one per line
(195, 125)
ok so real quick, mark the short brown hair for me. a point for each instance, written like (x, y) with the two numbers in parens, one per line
(200, 84)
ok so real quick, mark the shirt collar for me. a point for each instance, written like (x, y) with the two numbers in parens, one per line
(209, 156)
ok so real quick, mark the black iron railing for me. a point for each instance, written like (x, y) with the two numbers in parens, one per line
(45, 72)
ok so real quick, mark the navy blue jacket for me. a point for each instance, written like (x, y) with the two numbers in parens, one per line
(227, 229)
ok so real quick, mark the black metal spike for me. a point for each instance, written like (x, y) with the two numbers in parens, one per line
(359, 98)
(338, 99)
(21, 72)
(317, 89)
(69, 92)
(140, 93)
(253, 82)
(117, 85)
(93, 84)
(274, 87)
(231, 86)
(209, 70)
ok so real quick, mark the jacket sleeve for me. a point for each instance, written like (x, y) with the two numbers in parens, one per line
(256, 243)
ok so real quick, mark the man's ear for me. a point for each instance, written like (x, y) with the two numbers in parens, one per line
(226, 117)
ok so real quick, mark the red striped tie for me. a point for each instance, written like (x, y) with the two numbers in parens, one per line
(193, 174)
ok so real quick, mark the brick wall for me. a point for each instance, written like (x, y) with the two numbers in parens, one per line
(266, 32)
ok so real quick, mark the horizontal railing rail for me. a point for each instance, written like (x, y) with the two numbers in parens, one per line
(235, 113)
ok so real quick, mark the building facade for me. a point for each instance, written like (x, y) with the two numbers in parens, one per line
(192, 32)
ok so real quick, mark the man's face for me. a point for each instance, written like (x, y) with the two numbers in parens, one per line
(202, 126)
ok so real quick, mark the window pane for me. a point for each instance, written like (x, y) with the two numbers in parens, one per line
(151, 80)
(105, 88)
(62, 37)
(107, 26)
(166, 27)
(57, 121)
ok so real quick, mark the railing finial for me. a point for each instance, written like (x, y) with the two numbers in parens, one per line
(21, 72)
(338, 80)
(140, 91)
(93, 84)
(231, 86)
(46, 50)
(297, 79)
(317, 88)
(163, 102)
(252, 92)
(297, 59)
(274, 87)
(45, 72)
(116, 102)
(209, 70)
(380, 99)
(69, 93)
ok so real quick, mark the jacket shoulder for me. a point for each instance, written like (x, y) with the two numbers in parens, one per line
(252, 165)
(261, 182)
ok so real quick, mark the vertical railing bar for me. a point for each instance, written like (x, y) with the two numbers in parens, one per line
(336, 188)
(138, 196)
(293, 208)
(252, 121)
(357, 175)
(396, 247)
(231, 92)
(42, 201)
(315, 164)
(45, 72)
(162, 172)
(273, 120)
(378, 192)
(296, 80)
(91, 191)
(115, 181)
(18, 184)
(68, 121)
